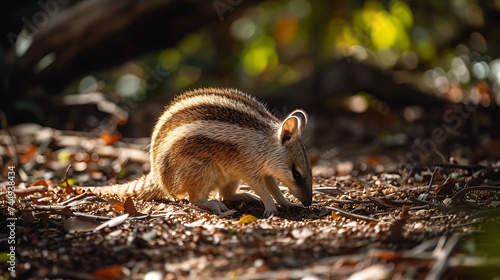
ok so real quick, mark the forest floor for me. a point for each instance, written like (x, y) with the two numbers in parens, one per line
(430, 222)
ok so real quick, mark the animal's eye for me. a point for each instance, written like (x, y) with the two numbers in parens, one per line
(296, 175)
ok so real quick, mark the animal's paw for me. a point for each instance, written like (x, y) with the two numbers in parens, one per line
(216, 206)
(270, 212)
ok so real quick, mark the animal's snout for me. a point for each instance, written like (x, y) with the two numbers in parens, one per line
(307, 202)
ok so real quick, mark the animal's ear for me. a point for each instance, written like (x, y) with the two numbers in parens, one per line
(301, 115)
(291, 128)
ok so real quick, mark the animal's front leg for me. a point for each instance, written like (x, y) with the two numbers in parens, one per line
(275, 191)
(259, 187)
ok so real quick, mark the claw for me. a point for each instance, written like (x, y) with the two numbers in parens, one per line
(270, 213)
(216, 206)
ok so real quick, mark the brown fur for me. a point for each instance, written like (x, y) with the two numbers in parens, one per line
(211, 139)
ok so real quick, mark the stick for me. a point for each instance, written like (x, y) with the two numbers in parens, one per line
(432, 179)
(351, 215)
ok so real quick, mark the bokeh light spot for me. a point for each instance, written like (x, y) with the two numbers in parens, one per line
(88, 84)
(170, 59)
(243, 29)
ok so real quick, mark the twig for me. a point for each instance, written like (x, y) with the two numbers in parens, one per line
(50, 209)
(461, 166)
(442, 258)
(92, 216)
(148, 216)
(436, 169)
(349, 201)
(66, 176)
(351, 215)
(419, 207)
(36, 207)
(459, 195)
(424, 202)
(447, 179)
(102, 218)
(78, 197)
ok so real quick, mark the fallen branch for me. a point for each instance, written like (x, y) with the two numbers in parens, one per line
(346, 214)
(436, 169)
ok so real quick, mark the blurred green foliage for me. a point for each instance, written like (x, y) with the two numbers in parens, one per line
(484, 244)
(277, 43)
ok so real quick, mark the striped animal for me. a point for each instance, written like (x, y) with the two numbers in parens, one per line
(213, 139)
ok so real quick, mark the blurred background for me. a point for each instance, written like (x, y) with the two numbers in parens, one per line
(389, 82)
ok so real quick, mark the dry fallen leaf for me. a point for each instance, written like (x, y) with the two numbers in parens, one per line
(247, 219)
(447, 188)
(110, 139)
(120, 206)
(29, 154)
(110, 272)
(41, 182)
(129, 208)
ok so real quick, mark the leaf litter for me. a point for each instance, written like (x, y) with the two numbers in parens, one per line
(412, 224)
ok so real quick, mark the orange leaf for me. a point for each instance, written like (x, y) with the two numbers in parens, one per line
(29, 154)
(110, 139)
(41, 182)
(335, 216)
(109, 272)
(385, 254)
(119, 206)
(79, 191)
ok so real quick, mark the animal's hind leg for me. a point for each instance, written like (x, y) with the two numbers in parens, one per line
(199, 184)
(228, 192)
(199, 195)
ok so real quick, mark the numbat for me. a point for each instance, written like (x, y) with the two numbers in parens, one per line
(213, 139)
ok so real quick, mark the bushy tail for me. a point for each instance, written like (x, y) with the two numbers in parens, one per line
(140, 188)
